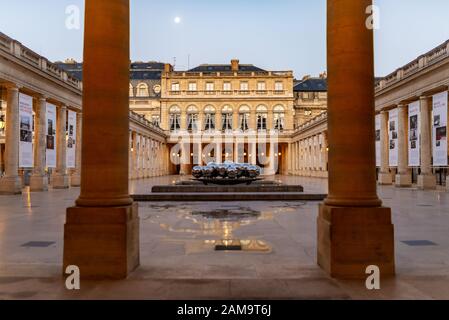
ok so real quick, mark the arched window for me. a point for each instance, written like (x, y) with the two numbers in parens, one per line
(142, 90)
(244, 114)
(279, 118)
(175, 118)
(131, 90)
(209, 118)
(262, 116)
(226, 116)
(192, 118)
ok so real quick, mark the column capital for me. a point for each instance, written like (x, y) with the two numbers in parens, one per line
(402, 105)
(424, 97)
(12, 87)
(40, 97)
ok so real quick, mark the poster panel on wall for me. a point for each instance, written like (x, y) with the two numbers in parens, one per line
(414, 135)
(393, 138)
(50, 133)
(378, 155)
(26, 131)
(439, 136)
(71, 139)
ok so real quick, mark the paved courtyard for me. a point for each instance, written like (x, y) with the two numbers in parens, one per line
(179, 259)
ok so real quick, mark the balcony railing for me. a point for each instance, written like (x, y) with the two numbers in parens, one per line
(434, 56)
(14, 48)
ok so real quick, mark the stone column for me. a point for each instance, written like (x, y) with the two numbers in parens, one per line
(253, 158)
(75, 180)
(130, 154)
(60, 179)
(385, 177)
(290, 158)
(199, 153)
(185, 158)
(426, 180)
(272, 158)
(11, 183)
(134, 156)
(218, 152)
(354, 230)
(102, 231)
(140, 157)
(145, 158)
(298, 158)
(39, 180)
(403, 177)
(325, 152)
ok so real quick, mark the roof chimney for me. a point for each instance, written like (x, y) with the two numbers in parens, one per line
(235, 64)
(168, 68)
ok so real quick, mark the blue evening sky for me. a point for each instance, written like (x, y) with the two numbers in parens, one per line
(272, 34)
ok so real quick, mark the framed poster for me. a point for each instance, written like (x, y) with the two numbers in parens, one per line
(71, 140)
(393, 138)
(51, 136)
(378, 146)
(26, 131)
(439, 132)
(414, 135)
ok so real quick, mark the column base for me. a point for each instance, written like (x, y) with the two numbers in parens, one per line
(60, 181)
(102, 242)
(385, 179)
(38, 183)
(427, 182)
(75, 180)
(403, 180)
(351, 239)
(10, 185)
(184, 170)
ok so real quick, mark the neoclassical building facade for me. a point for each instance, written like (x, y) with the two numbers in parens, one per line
(231, 112)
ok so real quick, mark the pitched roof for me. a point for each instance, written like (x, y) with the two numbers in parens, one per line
(311, 85)
(138, 70)
(225, 68)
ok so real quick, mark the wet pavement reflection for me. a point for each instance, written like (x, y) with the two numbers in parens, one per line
(213, 228)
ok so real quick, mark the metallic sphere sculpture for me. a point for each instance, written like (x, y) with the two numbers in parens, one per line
(228, 170)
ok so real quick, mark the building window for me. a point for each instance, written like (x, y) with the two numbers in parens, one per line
(192, 118)
(227, 86)
(210, 86)
(192, 86)
(279, 118)
(175, 87)
(209, 118)
(244, 86)
(262, 116)
(261, 86)
(142, 90)
(244, 113)
(175, 119)
(226, 116)
(279, 86)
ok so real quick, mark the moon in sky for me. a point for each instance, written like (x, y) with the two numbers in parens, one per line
(177, 20)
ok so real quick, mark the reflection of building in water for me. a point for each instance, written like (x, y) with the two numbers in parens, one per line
(221, 224)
